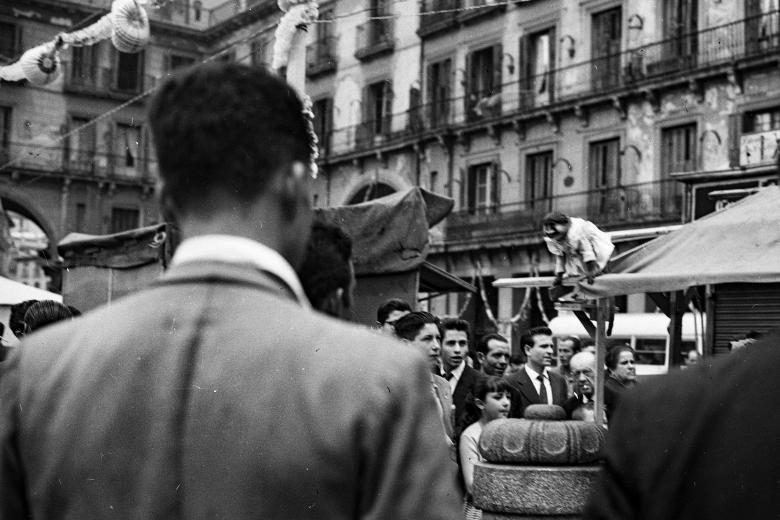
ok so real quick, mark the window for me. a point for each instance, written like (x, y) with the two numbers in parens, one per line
(129, 71)
(81, 217)
(323, 122)
(537, 60)
(538, 171)
(605, 48)
(607, 199)
(127, 150)
(483, 87)
(124, 219)
(10, 42)
(482, 187)
(678, 149)
(81, 146)
(178, 61)
(5, 130)
(259, 51)
(84, 68)
(197, 7)
(680, 22)
(377, 108)
(762, 120)
(439, 85)
(678, 154)
(762, 25)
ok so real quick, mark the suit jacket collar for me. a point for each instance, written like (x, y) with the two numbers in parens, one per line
(240, 250)
(228, 273)
(526, 386)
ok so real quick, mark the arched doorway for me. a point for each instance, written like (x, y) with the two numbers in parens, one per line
(370, 192)
(29, 253)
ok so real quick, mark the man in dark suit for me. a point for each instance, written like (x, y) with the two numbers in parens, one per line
(454, 350)
(217, 392)
(535, 383)
(698, 443)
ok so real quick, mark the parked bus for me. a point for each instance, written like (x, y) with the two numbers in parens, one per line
(647, 333)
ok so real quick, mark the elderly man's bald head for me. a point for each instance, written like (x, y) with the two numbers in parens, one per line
(583, 367)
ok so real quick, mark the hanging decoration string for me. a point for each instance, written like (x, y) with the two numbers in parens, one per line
(470, 295)
(483, 296)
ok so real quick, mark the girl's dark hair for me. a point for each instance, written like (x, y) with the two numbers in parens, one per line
(613, 354)
(483, 387)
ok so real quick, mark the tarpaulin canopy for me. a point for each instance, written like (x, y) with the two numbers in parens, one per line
(738, 244)
(389, 234)
(125, 250)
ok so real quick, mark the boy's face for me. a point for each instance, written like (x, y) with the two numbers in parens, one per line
(428, 341)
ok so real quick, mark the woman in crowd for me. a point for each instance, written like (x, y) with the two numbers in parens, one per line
(491, 400)
(621, 365)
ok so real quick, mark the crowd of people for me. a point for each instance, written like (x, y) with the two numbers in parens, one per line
(230, 388)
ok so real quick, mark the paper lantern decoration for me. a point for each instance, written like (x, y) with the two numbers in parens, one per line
(131, 26)
(41, 65)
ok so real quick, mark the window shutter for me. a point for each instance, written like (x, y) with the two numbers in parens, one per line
(471, 189)
(523, 66)
(415, 121)
(446, 88)
(735, 135)
(498, 65)
(466, 83)
(387, 107)
(495, 188)
(553, 65)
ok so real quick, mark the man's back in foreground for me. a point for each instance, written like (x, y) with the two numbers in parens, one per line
(218, 393)
(701, 443)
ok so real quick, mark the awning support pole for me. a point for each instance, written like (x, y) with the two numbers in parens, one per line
(602, 312)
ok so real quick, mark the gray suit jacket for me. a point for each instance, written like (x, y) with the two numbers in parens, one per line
(214, 395)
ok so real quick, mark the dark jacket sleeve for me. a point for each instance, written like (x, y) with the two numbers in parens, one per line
(615, 495)
(13, 503)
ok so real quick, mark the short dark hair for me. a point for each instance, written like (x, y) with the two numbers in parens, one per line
(527, 339)
(16, 318)
(576, 343)
(482, 344)
(408, 326)
(326, 266)
(456, 324)
(393, 304)
(44, 313)
(516, 359)
(225, 129)
(613, 354)
(556, 217)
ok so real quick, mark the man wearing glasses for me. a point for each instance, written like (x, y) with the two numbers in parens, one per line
(580, 248)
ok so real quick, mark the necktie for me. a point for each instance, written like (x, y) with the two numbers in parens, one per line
(542, 390)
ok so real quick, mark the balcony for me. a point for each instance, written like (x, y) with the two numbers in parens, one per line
(483, 105)
(478, 9)
(444, 19)
(321, 57)
(374, 38)
(614, 207)
(59, 160)
(759, 148)
(104, 82)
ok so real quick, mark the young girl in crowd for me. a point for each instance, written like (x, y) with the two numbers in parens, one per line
(489, 401)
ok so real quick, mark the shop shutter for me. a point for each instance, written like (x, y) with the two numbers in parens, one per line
(742, 307)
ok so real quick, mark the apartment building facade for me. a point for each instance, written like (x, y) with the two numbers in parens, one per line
(636, 115)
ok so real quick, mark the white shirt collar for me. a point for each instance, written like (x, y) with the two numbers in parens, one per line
(533, 374)
(239, 250)
(457, 371)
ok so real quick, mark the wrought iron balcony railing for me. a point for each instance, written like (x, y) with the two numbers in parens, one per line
(444, 17)
(375, 37)
(64, 161)
(105, 81)
(749, 38)
(635, 204)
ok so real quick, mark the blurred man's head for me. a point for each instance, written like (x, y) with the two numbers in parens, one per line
(567, 347)
(234, 150)
(455, 343)
(390, 312)
(691, 358)
(583, 370)
(43, 313)
(516, 362)
(493, 353)
(327, 274)
(555, 226)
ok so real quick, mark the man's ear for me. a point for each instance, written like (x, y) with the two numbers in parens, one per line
(332, 305)
(292, 189)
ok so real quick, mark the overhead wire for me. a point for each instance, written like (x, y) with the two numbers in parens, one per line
(246, 39)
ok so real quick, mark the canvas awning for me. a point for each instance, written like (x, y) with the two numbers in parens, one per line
(738, 244)
(434, 279)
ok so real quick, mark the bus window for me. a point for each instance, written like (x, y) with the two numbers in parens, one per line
(650, 351)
